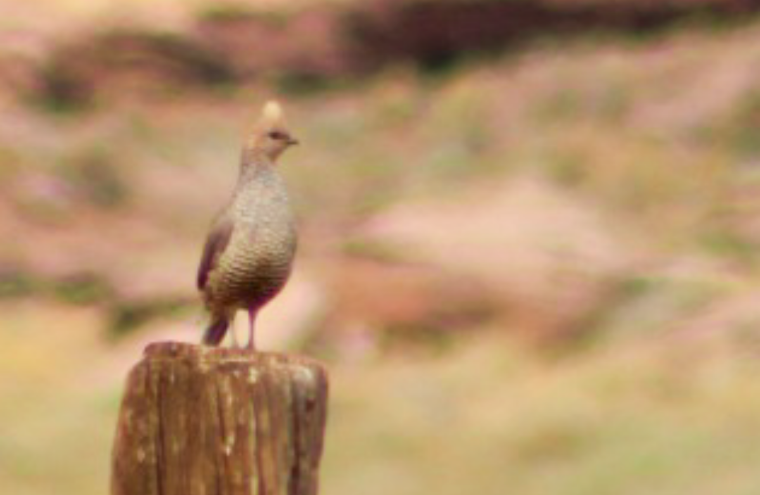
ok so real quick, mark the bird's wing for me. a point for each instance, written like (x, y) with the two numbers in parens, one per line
(216, 243)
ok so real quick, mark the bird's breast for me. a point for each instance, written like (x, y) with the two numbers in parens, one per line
(258, 259)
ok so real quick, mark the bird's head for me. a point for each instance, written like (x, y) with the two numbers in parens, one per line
(271, 136)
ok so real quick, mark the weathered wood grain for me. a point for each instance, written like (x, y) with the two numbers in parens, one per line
(207, 421)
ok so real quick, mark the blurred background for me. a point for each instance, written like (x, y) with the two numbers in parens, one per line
(529, 231)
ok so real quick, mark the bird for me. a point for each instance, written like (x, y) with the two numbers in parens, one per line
(249, 251)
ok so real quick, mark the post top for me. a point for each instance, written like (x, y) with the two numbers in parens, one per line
(183, 351)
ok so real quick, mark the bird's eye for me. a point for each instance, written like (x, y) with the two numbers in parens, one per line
(276, 135)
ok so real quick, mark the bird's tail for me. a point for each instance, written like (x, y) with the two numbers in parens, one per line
(216, 330)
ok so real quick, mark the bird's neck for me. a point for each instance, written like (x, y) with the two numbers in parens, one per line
(253, 165)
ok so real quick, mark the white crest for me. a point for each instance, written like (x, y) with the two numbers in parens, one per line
(272, 111)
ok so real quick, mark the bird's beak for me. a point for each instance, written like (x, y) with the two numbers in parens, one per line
(292, 141)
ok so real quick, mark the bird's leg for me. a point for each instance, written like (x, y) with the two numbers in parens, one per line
(252, 322)
(233, 336)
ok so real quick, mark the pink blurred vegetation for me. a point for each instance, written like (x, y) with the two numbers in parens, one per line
(529, 231)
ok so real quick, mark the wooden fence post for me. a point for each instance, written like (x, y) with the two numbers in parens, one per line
(208, 421)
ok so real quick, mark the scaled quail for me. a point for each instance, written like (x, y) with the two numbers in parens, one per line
(249, 251)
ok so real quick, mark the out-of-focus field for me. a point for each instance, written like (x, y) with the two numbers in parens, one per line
(531, 270)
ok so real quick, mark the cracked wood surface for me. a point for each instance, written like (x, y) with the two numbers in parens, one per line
(207, 421)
